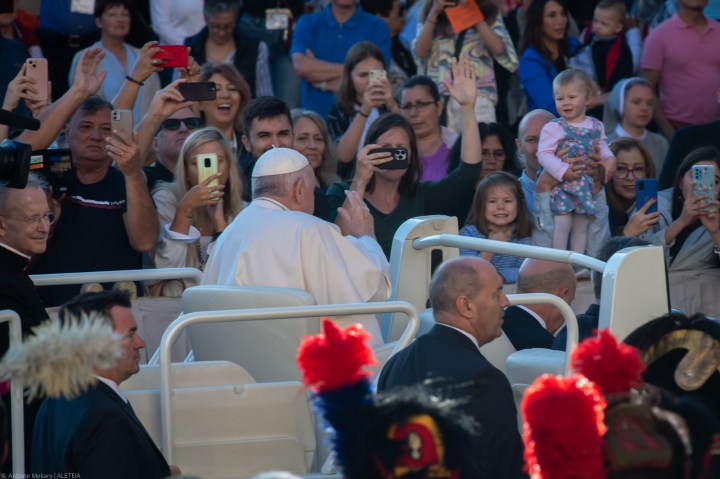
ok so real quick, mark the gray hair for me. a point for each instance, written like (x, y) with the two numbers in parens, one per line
(451, 280)
(33, 181)
(277, 185)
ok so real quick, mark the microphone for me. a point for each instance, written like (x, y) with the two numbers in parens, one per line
(18, 121)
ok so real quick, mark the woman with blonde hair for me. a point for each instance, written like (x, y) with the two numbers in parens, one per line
(192, 213)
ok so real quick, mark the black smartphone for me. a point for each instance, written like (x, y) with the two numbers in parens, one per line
(198, 91)
(400, 159)
(55, 165)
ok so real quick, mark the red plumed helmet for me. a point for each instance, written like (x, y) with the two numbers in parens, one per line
(335, 358)
(613, 366)
(563, 428)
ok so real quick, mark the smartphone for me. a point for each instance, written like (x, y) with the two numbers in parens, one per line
(645, 190)
(207, 165)
(122, 120)
(55, 165)
(399, 160)
(198, 91)
(37, 68)
(176, 55)
(703, 177)
(377, 75)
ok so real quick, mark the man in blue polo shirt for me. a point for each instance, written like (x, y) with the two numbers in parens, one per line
(320, 42)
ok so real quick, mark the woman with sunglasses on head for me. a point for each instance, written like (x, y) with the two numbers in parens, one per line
(633, 163)
(225, 111)
(394, 195)
(422, 106)
(192, 213)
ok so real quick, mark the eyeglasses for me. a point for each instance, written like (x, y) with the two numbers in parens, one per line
(420, 106)
(173, 124)
(48, 217)
(623, 172)
(218, 27)
(497, 154)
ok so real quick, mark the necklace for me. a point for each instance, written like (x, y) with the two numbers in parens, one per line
(200, 257)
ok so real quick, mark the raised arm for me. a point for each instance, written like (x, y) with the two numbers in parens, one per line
(464, 91)
(141, 222)
(87, 82)
(144, 66)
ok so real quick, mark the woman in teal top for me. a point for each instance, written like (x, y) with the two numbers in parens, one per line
(394, 196)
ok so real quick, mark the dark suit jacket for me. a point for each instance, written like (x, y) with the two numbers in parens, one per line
(461, 372)
(587, 324)
(683, 142)
(95, 435)
(524, 331)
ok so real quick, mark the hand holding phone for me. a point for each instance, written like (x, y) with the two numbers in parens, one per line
(646, 189)
(122, 120)
(37, 69)
(198, 91)
(174, 56)
(703, 180)
(207, 165)
(400, 159)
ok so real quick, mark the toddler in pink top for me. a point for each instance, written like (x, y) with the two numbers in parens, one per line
(573, 199)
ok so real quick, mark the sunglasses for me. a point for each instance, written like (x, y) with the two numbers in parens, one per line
(173, 124)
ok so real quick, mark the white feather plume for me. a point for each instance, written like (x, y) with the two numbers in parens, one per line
(60, 360)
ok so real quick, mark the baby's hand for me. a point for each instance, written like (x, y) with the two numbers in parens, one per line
(609, 164)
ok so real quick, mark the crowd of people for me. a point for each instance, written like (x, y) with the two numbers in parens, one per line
(333, 122)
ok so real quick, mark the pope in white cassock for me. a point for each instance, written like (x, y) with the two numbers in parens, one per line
(277, 242)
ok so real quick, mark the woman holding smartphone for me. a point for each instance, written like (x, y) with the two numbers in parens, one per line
(193, 213)
(364, 94)
(633, 163)
(689, 225)
(395, 195)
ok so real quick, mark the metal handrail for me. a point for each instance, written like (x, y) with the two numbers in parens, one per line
(505, 247)
(16, 398)
(114, 276)
(573, 331)
(176, 327)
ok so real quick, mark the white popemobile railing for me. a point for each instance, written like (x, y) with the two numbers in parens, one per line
(177, 326)
(115, 276)
(16, 399)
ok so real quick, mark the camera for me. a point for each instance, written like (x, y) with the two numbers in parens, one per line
(55, 165)
(14, 163)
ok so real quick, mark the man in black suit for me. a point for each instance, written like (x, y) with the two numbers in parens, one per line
(468, 303)
(24, 228)
(535, 325)
(97, 434)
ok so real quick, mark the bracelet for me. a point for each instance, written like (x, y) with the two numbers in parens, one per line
(716, 250)
(362, 114)
(216, 235)
(431, 22)
(131, 79)
(323, 86)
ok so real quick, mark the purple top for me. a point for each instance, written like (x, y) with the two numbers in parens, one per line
(435, 165)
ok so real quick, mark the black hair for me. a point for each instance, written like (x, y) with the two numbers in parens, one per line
(102, 5)
(264, 107)
(423, 81)
(99, 302)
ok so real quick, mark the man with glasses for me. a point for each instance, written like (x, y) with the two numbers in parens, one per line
(167, 144)
(25, 222)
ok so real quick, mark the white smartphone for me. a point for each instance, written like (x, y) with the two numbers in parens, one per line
(207, 165)
(122, 120)
(377, 75)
